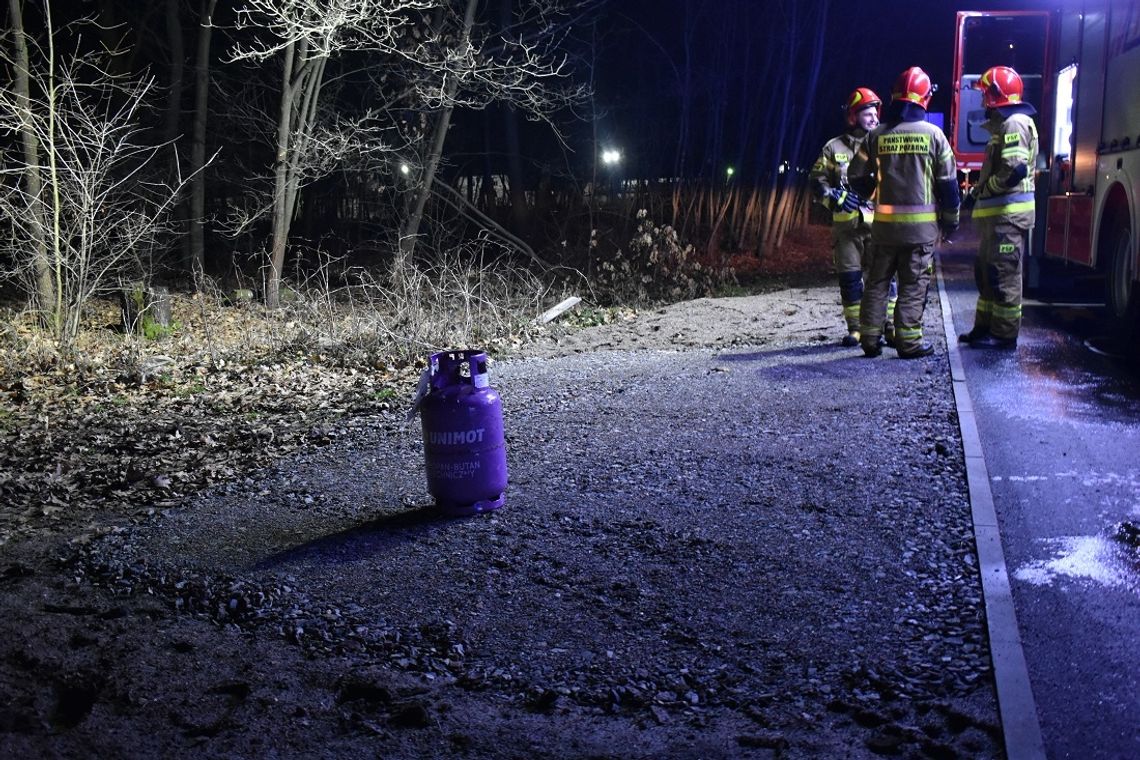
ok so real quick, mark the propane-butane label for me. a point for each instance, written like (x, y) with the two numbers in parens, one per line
(454, 470)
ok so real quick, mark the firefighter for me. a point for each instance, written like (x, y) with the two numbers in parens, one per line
(1003, 209)
(917, 198)
(840, 183)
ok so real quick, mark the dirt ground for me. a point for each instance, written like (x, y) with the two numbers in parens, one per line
(724, 536)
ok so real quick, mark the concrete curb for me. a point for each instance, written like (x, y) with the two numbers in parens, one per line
(1016, 705)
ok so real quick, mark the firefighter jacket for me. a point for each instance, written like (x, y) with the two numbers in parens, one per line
(917, 182)
(842, 161)
(1005, 189)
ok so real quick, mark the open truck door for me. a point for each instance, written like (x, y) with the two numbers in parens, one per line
(1020, 40)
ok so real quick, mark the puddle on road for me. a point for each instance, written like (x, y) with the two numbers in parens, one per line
(1106, 561)
(1039, 391)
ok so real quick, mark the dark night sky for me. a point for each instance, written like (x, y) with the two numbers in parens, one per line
(868, 44)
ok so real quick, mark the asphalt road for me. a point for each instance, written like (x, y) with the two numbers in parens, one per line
(1059, 422)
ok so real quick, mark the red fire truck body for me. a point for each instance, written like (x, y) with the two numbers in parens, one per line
(1081, 69)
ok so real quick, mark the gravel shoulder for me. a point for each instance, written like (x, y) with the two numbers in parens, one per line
(725, 536)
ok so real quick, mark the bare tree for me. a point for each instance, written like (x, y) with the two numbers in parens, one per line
(521, 65)
(435, 148)
(432, 52)
(91, 212)
(304, 35)
(197, 199)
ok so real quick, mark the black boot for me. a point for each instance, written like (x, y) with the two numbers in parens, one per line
(975, 334)
(989, 341)
(926, 349)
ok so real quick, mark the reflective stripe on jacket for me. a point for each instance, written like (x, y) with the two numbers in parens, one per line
(1013, 204)
(895, 214)
(910, 159)
(1013, 144)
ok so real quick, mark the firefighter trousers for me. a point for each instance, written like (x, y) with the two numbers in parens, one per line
(997, 273)
(912, 265)
(852, 258)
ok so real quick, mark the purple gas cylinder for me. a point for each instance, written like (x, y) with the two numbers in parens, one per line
(464, 447)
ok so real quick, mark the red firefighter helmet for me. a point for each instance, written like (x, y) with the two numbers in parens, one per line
(860, 100)
(913, 86)
(1000, 86)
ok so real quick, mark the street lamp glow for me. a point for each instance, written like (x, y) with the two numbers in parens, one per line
(611, 157)
(405, 169)
(729, 171)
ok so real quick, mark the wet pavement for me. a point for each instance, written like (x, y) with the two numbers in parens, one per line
(1059, 422)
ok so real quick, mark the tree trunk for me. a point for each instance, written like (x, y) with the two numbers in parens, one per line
(300, 92)
(435, 152)
(680, 162)
(280, 176)
(592, 207)
(146, 310)
(172, 123)
(198, 143)
(173, 118)
(515, 168)
(511, 136)
(308, 90)
(45, 290)
(774, 184)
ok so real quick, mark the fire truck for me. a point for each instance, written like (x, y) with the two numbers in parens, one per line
(1080, 65)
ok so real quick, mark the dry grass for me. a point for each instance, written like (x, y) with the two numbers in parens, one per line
(364, 323)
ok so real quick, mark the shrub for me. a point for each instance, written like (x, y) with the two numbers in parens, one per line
(656, 266)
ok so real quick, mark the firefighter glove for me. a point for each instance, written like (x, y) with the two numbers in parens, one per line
(970, 198)
(844, 200)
